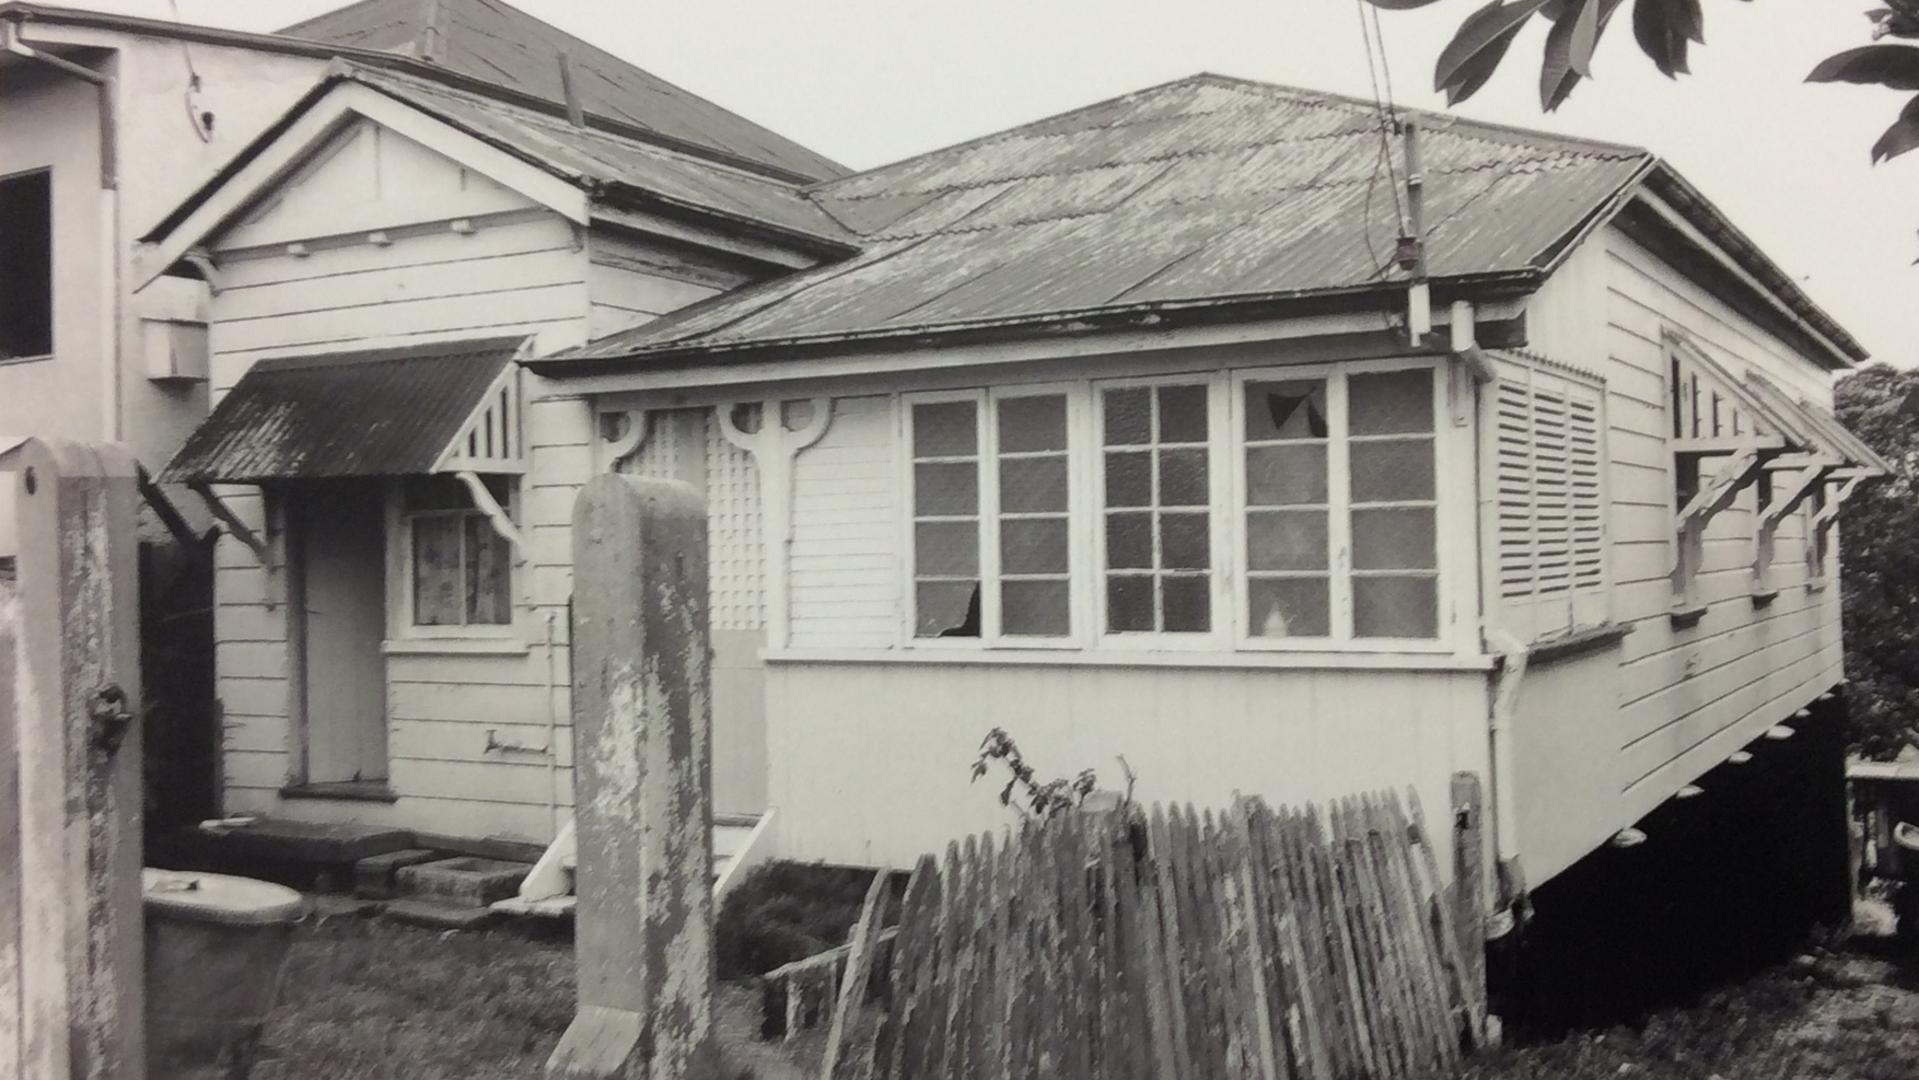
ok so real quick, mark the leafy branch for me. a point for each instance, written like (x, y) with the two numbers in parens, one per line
(1035, 798)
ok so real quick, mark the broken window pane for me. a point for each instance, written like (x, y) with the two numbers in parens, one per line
(1396, 607)
(1286, 540)
(946, 609)
(945, 429)
(1032, 424)
(1392, 470)
(1393, 538)
(1035, 608)
(1286, 475)
(1289, 607)
(1390, 403)
(1295, 409)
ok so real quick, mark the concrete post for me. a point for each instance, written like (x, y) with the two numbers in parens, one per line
(643, 926)
(72, 975)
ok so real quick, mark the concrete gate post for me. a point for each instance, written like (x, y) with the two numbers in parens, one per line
(72, 971)
(643, 924)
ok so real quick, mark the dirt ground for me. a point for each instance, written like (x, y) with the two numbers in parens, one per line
(370, 999)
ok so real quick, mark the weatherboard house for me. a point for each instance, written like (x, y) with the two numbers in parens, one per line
(1124, 431)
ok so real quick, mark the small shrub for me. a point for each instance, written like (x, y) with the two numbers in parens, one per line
(787, 911)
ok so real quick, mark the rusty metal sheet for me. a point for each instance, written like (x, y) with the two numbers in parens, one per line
(388, 412)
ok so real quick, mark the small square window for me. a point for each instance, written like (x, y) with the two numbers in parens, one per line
(26, 266)
(462, 567)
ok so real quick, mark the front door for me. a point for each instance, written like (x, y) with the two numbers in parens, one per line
(339, 529)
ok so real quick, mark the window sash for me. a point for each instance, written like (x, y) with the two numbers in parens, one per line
(470, 597)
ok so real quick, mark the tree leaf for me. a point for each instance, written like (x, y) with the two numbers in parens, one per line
(1663, 27)
(1400, 5)
(1557, 75)
(1478, 46)
(1901, 137)
(1896, 66)
(1585, 38)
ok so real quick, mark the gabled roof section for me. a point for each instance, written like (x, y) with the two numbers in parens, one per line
(503, 46)
(1204, 191)
(1209, 193)
(590, 167)
(390, 412)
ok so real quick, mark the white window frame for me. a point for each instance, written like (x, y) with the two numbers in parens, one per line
(400, 624)
(1339, 510)
(1222, 571)
(986, 420)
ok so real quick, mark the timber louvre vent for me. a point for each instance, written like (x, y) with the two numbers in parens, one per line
(1548, 461)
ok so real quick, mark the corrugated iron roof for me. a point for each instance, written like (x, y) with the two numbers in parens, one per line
(503, 46)
(386, 412)
(1200, 190)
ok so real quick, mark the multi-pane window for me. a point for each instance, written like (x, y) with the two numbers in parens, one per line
(1157, 509)
(992, 506)
(1289, 568)
(1034, 511)
(946, 519)
(461, 567)
(1394, 509)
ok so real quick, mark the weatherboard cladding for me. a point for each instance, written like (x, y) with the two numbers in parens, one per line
(388, 412)
(502, 46)
(1201, 190)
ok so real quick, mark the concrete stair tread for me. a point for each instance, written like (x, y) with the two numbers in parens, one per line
(428, 913)
(549, 907)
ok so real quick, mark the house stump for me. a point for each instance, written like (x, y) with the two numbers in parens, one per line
(643, 926)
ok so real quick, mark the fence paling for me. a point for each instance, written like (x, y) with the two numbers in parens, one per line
(1169, 943)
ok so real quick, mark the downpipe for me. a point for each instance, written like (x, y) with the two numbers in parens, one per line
(1510, 905)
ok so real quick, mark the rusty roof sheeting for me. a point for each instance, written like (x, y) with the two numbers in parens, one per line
(1203, 189)
(388, 412)
(503, 46)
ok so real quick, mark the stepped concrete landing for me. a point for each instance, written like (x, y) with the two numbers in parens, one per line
(437, 915)
(377, 877)
(462, 882)
(297, 853)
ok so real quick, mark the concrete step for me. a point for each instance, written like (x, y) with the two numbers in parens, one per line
(461, 882)
(440, 916)
(377, 877)
(550, 907)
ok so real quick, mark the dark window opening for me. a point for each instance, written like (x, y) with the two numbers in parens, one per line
(26, 266)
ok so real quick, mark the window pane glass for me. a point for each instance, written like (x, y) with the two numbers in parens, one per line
(945, 548)
(1189, 609)
(1182, 414)
(1286, 540)
(437, 581)
(1129, 604)
(1390, 403)
(946, 609)
(1032, 485)
(1397, 607)
(1129, 416)
(1033, 547)
(1289, 607)
(1397, 471)
(1182, 478)
(945, 429)
(1129, 479)
(1032, 423)
(1393, 539)
(1183, 540)
(1129, 541)
(1035, 608)
(1285, 410)
(945, 488)
(489, 574)
(1283, 475)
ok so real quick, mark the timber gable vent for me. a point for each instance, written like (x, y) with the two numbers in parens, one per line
(1548, 467)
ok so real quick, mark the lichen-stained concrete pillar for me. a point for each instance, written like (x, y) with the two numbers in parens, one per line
(72, 971)
(642, 771)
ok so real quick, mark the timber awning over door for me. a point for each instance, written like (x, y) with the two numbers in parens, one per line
(1759, 430)
(447, 408)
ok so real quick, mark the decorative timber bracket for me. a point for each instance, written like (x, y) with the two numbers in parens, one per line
(774, 447)
(496, 514)
(621, 435)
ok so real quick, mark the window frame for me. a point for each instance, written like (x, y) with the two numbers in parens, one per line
(400, 555)
(985, 401)
(52, 266)
(1340, 571)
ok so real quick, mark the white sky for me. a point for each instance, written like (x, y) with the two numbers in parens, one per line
(870, 81)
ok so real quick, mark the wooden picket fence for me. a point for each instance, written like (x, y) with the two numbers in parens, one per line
(1170, 944)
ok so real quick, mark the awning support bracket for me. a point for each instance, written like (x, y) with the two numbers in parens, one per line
(235, 527)
(1829, 517)
(495, 513)
(1812, 475)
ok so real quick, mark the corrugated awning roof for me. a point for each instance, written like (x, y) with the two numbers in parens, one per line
(387, 412)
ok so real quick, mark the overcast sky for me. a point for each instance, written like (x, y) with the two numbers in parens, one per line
(870, 81)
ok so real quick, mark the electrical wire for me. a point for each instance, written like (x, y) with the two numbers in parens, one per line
(200, 122)
(1387, 122)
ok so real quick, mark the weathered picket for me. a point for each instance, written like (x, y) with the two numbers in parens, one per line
(1167, 943)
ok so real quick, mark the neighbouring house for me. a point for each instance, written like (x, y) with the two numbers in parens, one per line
(1120, 430)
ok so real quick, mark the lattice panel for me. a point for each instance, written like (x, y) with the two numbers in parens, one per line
(734, 525)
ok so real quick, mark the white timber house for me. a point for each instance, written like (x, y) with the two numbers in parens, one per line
(1123, 431)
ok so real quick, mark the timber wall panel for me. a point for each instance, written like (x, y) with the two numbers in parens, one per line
(844, 558)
